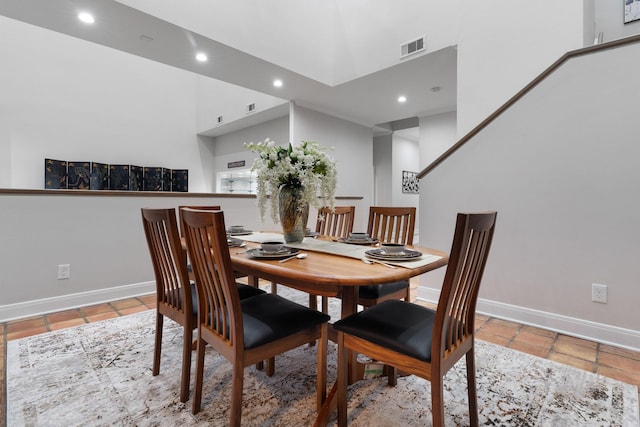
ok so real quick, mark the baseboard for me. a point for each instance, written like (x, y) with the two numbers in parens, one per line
(66, 302)
(593, 331)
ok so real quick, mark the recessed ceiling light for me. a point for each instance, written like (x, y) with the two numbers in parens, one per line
(86, 17)
(277, 83)
(201, 57)
(402, 99)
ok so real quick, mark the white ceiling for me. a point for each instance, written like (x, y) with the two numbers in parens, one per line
(365, 94)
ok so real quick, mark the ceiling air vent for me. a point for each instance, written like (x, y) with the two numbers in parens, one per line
(412, 47)
(251, 107)
(220, 120)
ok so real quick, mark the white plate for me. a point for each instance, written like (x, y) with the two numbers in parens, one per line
(406, 255)
(258, 253)
(368, 241)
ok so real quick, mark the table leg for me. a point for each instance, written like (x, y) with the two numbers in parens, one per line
(350, 306)
(349, 302)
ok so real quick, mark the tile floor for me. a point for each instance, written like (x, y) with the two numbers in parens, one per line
(603, 359)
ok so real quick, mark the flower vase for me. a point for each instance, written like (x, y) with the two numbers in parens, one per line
(293, 214)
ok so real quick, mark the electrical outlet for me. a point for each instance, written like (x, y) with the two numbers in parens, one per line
(599, 293)
(64, 271)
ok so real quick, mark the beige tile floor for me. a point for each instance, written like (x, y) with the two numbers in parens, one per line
(591, 356)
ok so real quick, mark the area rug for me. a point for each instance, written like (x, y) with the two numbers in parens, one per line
(99, 374)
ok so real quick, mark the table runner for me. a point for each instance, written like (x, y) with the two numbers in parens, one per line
(337, 248)
(358, 251)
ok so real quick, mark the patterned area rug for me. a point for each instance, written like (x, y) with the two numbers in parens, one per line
(100, 375)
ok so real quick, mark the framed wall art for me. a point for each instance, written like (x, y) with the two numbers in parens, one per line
(410, 182)
(631, 10)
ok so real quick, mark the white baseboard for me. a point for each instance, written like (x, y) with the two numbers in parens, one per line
(593, 331)
(66, 302)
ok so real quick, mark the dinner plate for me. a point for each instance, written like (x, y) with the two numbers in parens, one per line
(405, 255)
(239, 233)
(258, 253)
(368, 241)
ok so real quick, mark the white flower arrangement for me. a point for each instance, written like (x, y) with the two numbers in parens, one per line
(305, 166)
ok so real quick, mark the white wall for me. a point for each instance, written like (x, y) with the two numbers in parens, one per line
(405, 157)
(352, 148)
(610, 21)
(382, 160)
(73, 100)
(5, 147)
(437, 135)
(230, 147)
(502, 46)
(100, 236)
(295, 35)
(216, 98)
(561, 169)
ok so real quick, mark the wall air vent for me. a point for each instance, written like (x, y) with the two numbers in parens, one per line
(412, 47)
(251, 107)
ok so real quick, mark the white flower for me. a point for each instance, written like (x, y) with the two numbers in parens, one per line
(304, 166)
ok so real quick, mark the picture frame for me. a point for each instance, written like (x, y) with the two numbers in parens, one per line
(410, 182)
(631, 10)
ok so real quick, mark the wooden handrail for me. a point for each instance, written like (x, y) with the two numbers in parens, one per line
(553, 67)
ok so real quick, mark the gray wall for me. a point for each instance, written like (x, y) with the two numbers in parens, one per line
(561, 168)
(352, 148)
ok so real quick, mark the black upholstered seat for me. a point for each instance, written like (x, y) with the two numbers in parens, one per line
(246, 291)
(269, 317)
(398, 325)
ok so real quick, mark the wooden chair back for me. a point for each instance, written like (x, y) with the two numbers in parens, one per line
(455, 316)
(169, 261)
(392, 224)
(337, 222)
(219, 314)
(201, 208)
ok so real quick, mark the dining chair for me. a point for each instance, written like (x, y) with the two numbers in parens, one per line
(421, 341)
(201, 208)
(245, 331)
(391, 225)
(175, 293)
(336, 223)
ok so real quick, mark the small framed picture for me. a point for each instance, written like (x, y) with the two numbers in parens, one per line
(410, 182)
(631, 10)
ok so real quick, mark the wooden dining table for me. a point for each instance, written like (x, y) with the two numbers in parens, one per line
(331, 275)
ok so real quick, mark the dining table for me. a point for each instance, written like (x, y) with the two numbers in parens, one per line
(330, 268)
